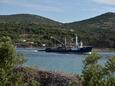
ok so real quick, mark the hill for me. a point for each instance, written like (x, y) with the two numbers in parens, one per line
(27, 19)
(33, 28)
(98, 31)
(104, 21)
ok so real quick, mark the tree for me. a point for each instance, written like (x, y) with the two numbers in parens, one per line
(95, 74)
(9, 61)
(110, 71)
(91, 69)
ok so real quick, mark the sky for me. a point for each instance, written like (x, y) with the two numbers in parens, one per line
(58, 10)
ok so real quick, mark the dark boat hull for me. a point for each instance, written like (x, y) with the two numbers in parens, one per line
(83, 50)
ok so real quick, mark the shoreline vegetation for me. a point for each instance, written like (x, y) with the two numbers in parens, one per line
(104, 50)
(12, 73)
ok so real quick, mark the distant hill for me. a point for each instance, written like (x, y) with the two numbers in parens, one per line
(104, 21)
(98, 31)
(31, 28)
(27, 19)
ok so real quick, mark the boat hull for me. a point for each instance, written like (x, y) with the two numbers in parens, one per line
(83, 50)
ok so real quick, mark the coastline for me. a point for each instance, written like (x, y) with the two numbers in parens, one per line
(103, 50)
(93, 50)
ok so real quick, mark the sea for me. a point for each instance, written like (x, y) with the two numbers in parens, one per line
(57, 62)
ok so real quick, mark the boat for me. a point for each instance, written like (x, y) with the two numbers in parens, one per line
(78, 49)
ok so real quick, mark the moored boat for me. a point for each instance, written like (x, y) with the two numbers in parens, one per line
(78, 49)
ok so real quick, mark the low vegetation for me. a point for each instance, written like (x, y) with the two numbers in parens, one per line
(9, 61)
(95, 74)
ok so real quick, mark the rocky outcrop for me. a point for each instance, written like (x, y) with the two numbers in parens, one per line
(46, 78)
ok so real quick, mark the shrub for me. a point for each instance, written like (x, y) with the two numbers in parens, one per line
(95, 74)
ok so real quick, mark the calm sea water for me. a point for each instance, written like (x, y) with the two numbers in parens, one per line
(69, 63)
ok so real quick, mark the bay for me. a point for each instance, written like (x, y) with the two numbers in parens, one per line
(68, 63)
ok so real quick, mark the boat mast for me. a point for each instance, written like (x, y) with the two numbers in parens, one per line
(65, 42)
(77, 44)
(81, 44)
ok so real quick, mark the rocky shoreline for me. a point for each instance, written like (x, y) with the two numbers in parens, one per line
(47, 78)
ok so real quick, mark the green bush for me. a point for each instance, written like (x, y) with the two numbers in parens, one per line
(95, 74)
(9, 61)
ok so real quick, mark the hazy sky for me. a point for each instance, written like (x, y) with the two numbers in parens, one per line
(59, 10)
